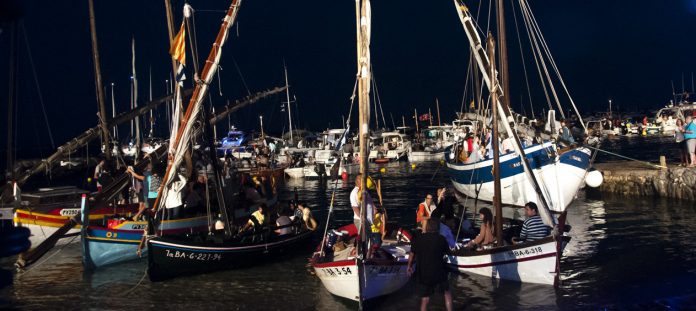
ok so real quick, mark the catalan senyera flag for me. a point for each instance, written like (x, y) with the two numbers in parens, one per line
(178, 49)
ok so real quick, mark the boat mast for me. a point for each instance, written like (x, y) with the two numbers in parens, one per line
(10, 102)
(437, 105)
(287, 95)
(98, 83)
(135, 103)
(485, 65)
(180, 144)
(496, 147)
(363, 16)
(502, 47)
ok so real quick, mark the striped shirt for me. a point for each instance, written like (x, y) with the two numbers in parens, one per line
(534, 229)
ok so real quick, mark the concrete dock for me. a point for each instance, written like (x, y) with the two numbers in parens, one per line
(638, 179)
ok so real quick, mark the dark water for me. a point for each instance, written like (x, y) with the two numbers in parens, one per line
(625, 254)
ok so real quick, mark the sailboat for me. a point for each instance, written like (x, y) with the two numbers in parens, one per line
(538, 173)
(173, 256)
(563, 170)
(344, 274)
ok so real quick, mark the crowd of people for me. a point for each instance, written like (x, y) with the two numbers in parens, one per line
(435, 218)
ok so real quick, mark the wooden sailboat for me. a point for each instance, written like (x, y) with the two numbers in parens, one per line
(172, 256)
(531, 262)
(563, 170)
(344, 274)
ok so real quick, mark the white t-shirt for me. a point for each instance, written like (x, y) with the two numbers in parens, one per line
(355, 203)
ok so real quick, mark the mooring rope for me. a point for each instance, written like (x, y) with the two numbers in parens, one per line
(627, 158)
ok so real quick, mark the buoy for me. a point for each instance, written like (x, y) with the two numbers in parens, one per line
(413, 166)
(344, 175)
(383, 170)
(594, 179)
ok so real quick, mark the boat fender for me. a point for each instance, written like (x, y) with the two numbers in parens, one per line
(594, 179)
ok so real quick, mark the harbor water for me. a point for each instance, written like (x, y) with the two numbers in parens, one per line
(624, 254)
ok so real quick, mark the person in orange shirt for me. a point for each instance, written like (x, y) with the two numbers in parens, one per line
(425, 208)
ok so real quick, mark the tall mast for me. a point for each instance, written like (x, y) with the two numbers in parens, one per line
(496, 146)
(170, 29)
(152, 117)
(437, 105)
(181, 144)
(484, 65)
(135, 102)
(363, 21)
(11, 102)
(287, 95)
(113, 109)
(502, 47)
(98, 83)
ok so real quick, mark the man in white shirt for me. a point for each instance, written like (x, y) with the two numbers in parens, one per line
(355, 203)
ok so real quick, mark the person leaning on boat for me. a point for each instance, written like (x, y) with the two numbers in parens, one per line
(356, 199)
(533, 228)
(428, 250)
(485, 237)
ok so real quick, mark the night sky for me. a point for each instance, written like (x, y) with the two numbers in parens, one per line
(627, 51)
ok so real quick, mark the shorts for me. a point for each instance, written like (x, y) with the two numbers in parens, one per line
(141, 196)
(691, 145)
(426, 290)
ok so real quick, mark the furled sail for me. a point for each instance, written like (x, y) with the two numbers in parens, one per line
(181, 144)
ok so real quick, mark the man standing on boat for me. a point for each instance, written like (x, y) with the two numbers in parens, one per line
(428, 249)
(356, 198)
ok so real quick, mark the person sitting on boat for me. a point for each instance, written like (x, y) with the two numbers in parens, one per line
(307, 217)
(507, 145)
(533, 228)
(565, 135)
(485, 236)
(256, 220)
(425, 209)
(355, 200)
(283, 223)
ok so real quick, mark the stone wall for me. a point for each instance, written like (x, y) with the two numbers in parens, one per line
(673, 182)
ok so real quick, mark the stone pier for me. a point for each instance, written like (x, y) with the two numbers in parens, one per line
(636, 179)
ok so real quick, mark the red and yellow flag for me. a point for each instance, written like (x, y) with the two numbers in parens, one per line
(178, 49)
